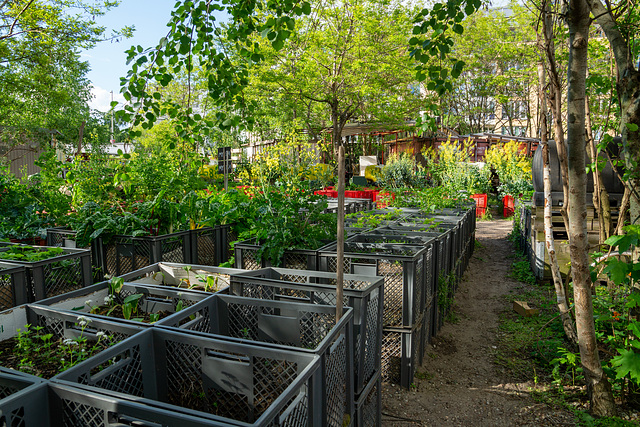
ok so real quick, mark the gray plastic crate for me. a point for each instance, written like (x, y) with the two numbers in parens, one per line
(184, 276)
(13, 285)
(246, 257)
(211, 379)
(401, 353)
(369, 404)
(57, 275)
(16, 406)
(154, 299)
(308, 328)
(123, 254)
(61, 324)
(363, 293)
(401, 265)
(60, 405)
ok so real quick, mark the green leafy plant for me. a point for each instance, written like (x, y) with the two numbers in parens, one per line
(40, 353)
(29, 253)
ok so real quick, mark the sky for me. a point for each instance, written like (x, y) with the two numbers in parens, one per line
(108, 60)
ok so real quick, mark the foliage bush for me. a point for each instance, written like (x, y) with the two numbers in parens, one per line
(513, 169)
(401, 171)
(616, 307)
(450, 167)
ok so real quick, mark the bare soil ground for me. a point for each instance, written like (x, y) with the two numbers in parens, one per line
(459, 384)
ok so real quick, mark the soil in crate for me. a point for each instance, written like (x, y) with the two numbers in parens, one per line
(140, 316)
(229, 405)
(38, 353)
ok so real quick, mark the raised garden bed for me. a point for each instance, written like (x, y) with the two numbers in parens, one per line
(401, 264)
(307, 328)
(402, 351)
(66, 238)
(124, 254)
(13, 285)
(16, 407)
(52, 404)
(43, 342)
(210, 379)
(126, 302)
(50, 271)
(297, 259)
(185, 276)
(363, 293)
(369, 403)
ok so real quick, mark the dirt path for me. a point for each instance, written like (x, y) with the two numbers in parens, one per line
(458, 383)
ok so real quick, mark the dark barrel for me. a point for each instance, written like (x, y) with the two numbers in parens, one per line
(611, 181)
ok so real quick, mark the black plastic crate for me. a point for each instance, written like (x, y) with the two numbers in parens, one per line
(66, 238)
(211, 379)
(228, 237)
(401, 264)
(246, 257)
(63, 325)
(198, 278)
(124, 254)
(401, 354)
(13, 285)
(369, 404)
(308, 328)
(154, 299)
(57, 275)
(363, 293)
(52, 404)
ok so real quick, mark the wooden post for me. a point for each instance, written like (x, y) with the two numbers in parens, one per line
(340, 235)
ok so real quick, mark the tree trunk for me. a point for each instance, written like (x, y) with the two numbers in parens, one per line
(628, 89)
(555, 105)
(340, 235)
(602, 403)
(600, 194)
(561, 295)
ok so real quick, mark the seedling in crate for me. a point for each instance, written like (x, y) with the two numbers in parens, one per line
(128, 307)
(35, 351)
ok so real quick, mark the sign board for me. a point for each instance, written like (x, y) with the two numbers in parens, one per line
(367, 161)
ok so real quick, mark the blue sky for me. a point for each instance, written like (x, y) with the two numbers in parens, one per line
(108, 60)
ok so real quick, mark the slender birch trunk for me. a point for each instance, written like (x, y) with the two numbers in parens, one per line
(602, 403)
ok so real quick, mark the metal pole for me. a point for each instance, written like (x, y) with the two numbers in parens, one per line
(340, 235)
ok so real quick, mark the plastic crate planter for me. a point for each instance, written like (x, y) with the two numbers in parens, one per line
(210, 379)
(69, 270)
(123, 254)
(306, 328)
(197, 278)
(66, 238)
(402, 350)
(369, 404)
(16, 406)
(297, 259)
(152, 300)
(363, 293)
(62, 326)
(212, 245)
(13, 285)
(60, 405)
(401, 264)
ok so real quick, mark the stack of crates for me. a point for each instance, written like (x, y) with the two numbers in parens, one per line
(403, 264)
(364, 294)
